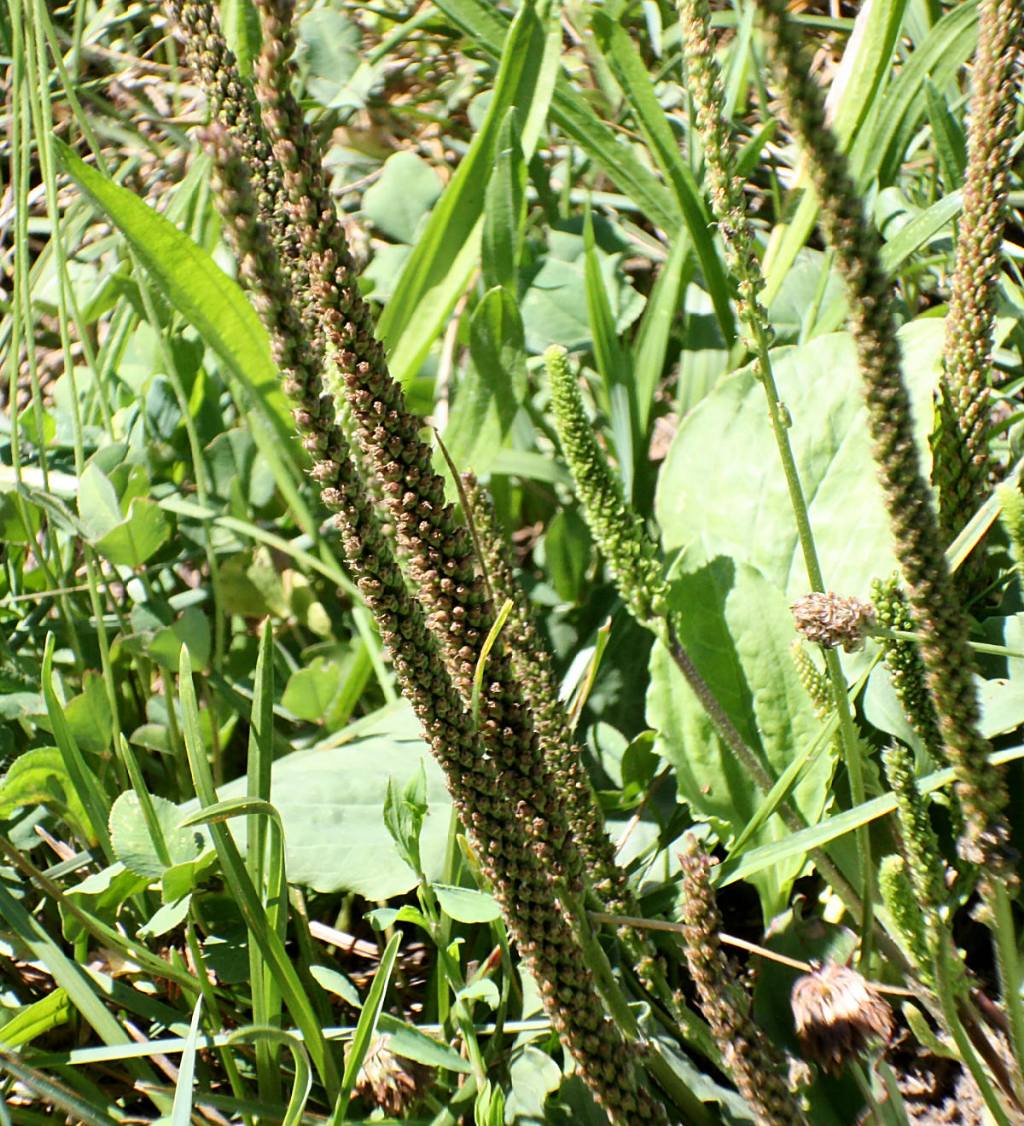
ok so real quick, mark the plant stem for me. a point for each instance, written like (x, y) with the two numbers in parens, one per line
(944, 987)
(997, 896)
(728, 207)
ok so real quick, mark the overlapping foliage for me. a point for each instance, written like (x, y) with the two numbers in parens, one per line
(227, 836)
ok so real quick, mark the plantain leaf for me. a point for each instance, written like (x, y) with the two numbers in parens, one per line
(737, 628)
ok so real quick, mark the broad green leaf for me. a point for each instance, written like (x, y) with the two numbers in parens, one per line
(98, 506)
(39, 777)
(311, 690)
(171, 914)
(191, 629)
(141, 535)
(448, 248)
(737, 628)
(466, 905)
(402, 197)
(721, 490)
(338, 984)
(125, 539)
(134, 846)
(554, 307)
(338, 795)
(197, 287)
(407, 1041)
(89, 717)
(332, 44)
(533, 1075)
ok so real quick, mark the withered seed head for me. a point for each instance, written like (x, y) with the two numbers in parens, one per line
(837, 1011)
(386, 1081)
(831, 620)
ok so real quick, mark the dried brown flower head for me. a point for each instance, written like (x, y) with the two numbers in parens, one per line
(837, 1011)
(387, 1081)
(831, 620)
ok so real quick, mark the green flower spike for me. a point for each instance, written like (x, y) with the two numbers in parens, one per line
(617, 529)
(906, 669)
(905, 912)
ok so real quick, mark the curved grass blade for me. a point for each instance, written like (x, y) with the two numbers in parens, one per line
(303, 1080)
(246, 897)
(447, 251)
(365, 1029)
(196, 286)
(635, 81)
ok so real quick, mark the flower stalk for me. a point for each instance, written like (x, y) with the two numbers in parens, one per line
(725, 192)
(962, 465)
(931, 594)
(750, 1058)
(504, 793)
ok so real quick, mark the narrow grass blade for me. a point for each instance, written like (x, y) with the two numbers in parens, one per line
(266, 997)
(246, 897)
(505, 210)
(53, 1094)
(834, 827)
(86, 783)
(651, 346)
(36, 1019)
(879, 151)
(917, 233)
(619, 389)
(447, 250)
(365, 1029)
(80, 989)
(196, 286)
(181, 1111)
(481, 21)
(864, 69)
(635, 81)
(947, 137)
